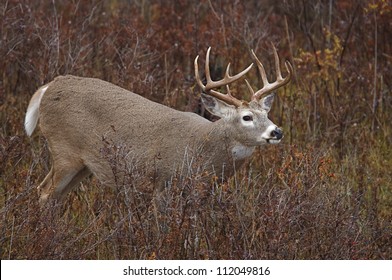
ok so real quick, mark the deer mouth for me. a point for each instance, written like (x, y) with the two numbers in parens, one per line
(273, 141)
(273, 135)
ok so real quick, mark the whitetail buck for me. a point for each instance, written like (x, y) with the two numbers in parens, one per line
(75, 114)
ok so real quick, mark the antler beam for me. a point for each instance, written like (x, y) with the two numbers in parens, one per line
(211, 85)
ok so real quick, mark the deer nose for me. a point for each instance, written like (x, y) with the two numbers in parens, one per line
(277, 133)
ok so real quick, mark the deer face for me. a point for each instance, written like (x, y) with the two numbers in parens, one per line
(245, 123)
(248, 125)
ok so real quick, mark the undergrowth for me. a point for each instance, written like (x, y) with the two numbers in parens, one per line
(323, 193)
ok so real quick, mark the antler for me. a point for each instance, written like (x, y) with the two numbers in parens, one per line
(267, 86)
(208, 88)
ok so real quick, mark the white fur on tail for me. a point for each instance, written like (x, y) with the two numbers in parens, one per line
(32, 113)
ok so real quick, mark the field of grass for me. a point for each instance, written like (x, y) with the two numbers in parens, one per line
(325, 192)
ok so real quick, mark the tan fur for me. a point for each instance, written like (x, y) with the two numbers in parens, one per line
(79, 115)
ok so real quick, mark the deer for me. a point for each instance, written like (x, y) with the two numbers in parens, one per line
(76, 113)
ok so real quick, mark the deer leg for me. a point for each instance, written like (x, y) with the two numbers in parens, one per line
(45, 187)
(60, 192)
(60, 181)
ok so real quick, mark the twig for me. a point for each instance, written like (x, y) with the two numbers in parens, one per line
(12, 237)
(374, 106)
(220, 18)
(348, 35)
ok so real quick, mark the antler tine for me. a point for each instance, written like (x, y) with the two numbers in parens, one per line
(208, 88)
(280, 81)
(261, 69)
(197, 76)
(207, 67)
(252, 92)
(277, 64)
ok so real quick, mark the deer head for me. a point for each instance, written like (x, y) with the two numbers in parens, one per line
(249, 118)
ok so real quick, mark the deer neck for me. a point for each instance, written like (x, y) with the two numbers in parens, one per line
(240, 152)
(223, 135)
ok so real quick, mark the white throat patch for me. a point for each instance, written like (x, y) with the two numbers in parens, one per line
(240, 152)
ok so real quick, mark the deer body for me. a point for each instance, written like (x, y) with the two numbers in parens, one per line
(79, 115)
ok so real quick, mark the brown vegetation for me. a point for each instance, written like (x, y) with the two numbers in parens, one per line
(325, 192)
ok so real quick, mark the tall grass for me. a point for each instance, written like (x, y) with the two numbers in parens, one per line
(324, 193)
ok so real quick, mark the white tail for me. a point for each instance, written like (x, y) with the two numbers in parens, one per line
(79, 115)
(32, 113)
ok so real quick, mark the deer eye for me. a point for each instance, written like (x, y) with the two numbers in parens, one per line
(247, 118)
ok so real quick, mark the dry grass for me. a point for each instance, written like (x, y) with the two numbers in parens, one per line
(325, 193)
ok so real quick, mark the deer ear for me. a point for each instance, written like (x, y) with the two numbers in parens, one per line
(266, 102)
(216, 107)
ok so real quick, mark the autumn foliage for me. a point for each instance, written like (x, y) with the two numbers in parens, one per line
(325, 192)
